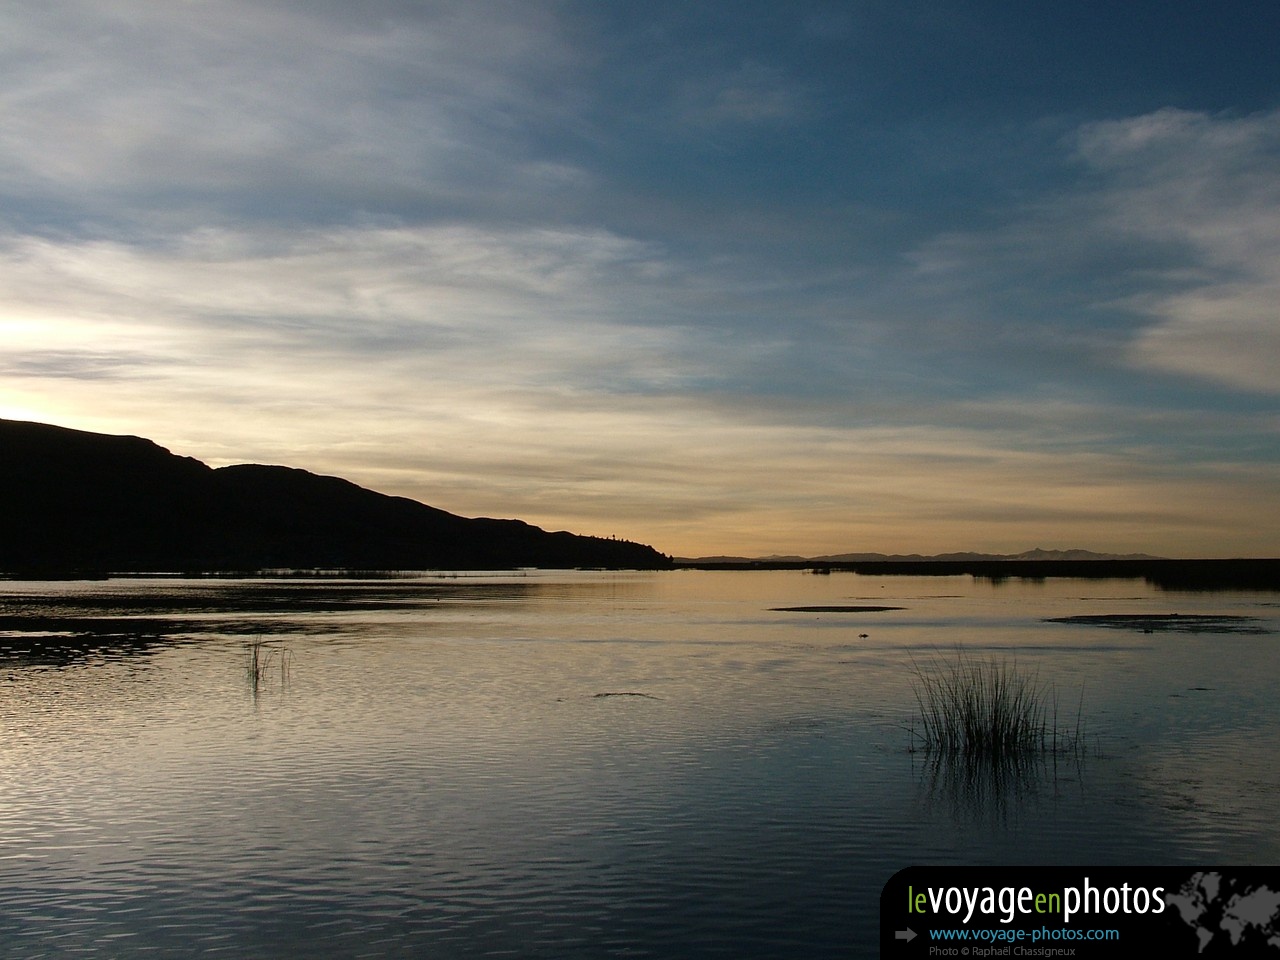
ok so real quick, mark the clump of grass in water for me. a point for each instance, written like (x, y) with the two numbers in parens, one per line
(975, 709)
(261, 657)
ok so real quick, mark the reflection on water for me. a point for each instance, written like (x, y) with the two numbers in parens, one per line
(581, 764)
(992, 791)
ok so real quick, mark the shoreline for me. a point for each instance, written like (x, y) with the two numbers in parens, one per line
(1230, 574)
(1218, 574)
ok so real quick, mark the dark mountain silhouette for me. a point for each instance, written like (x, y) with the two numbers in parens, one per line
(75, 501)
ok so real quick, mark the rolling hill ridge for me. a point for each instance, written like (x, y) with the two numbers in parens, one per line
(76, 501)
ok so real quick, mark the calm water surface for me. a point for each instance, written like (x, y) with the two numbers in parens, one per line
(583, 764)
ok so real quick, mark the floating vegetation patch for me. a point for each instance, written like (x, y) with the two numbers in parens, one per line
(1169, 622)
(47, 649)
(58, 641)
(104, 627)
(834, 609)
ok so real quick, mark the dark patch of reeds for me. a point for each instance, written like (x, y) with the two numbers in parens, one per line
(986, 709)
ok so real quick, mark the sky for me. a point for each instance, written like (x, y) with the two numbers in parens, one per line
(736, 277)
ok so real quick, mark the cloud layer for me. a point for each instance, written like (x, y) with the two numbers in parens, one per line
(682, 280)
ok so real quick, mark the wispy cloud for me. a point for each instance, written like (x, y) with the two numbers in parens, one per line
(299, 110)
(1210, 188)
(552, 302)
(72, 365)
(751, 93)
(1162, 256)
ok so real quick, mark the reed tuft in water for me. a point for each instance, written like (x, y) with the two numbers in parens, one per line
(986, 709)
(262, 658)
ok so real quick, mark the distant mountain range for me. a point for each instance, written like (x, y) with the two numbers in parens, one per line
(1029, 555)
(76, 502)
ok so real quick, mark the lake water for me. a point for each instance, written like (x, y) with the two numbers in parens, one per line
(567, 765)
